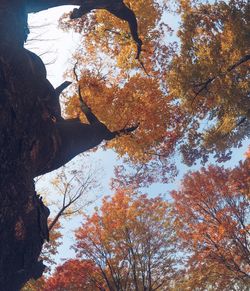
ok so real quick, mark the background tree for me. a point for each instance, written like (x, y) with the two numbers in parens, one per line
(73, 191)
(131, 242)
(212, 215)
(210, 76)
(74, 275)
(184, 99)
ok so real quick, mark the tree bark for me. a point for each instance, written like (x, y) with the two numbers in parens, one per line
(23, 217)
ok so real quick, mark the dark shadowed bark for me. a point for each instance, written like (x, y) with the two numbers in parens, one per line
(34, 139)
(23, 217)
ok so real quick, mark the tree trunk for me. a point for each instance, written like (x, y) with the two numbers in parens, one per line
(23, 217)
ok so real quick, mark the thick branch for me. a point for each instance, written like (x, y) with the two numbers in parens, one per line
(60, 88)
(115, 7)
(39, 5)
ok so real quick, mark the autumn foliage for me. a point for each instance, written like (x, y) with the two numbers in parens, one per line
(212, 215)
(131, 241)
(189, 95)
(209, 76)
(129, 244)
(197, 242)
(123, 91)
(73, 275)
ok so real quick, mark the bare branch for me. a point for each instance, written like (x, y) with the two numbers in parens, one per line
(72, 193)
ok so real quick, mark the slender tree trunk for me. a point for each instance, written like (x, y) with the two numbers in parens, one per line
(23, 217)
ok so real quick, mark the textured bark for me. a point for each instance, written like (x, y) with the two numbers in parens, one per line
(22, 215)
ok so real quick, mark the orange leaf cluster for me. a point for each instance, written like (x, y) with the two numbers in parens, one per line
(212, 214)
(130, 240)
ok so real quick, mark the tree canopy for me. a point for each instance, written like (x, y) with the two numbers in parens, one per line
(199, 241)
(188, 96)
(130, 244)
(215, 225)
(154, 93)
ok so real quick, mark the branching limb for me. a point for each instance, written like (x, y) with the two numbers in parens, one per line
(116, 7)
(75, 193)
(62, 87)
(123, 12)
(92, 119)
(73, 137)
(84, 107)
(204, 85)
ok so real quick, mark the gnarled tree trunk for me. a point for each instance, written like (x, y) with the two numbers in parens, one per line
(23, 217)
